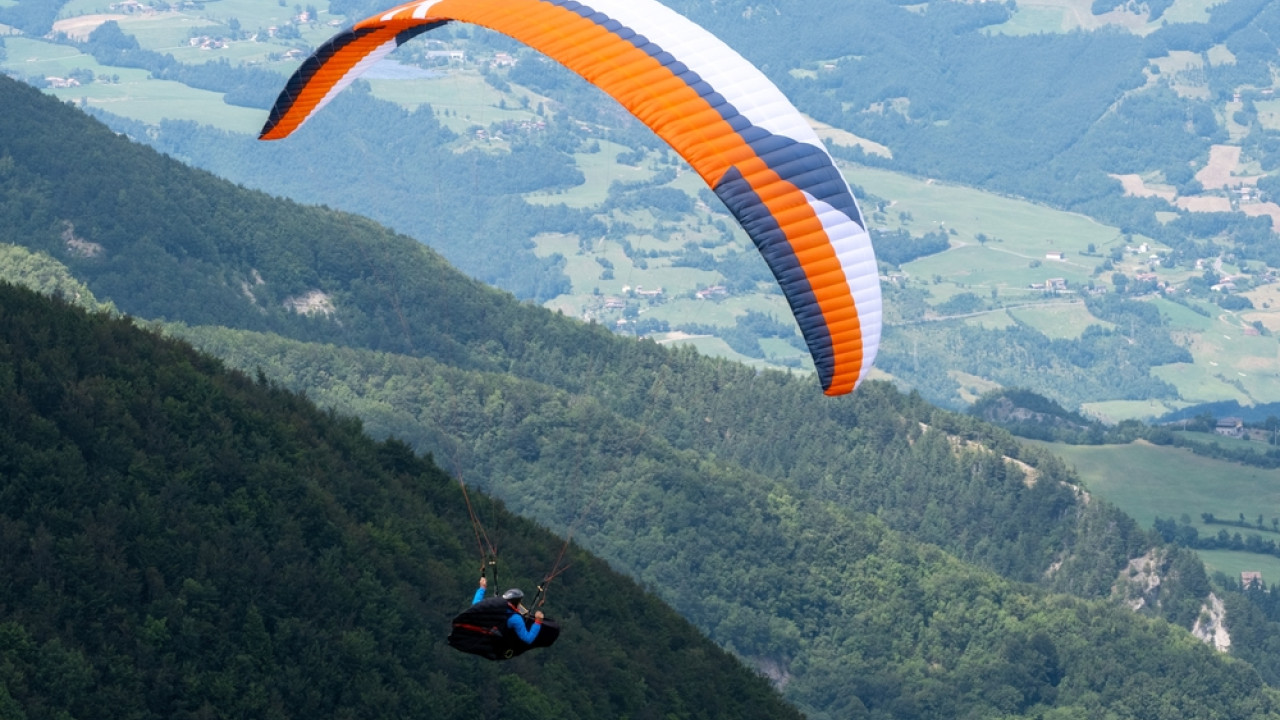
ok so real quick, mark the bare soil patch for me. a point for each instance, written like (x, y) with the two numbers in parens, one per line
(1224, 160)
(1134, 186)
(1204, 203)
(836, 136)
(78, 28)
(1266, 208)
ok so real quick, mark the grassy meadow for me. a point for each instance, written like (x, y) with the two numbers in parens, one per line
(135, 96)
(1112, 411)
(1188, 11)
(1037, 16)
(997, 243)
(140, 97)
(1234, 562)
(1268, 113)
(251, 13)
(1147, 481)
(1065, 320)
(600, 170)
(1231, 361)
(460, 97)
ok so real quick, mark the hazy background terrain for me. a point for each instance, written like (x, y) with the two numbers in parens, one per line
(1017, 162)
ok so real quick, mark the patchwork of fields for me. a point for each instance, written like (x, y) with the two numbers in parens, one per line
(1026, 262)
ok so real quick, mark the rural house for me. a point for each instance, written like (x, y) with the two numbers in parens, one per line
(1230, 427)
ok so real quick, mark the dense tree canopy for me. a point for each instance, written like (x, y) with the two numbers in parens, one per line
(182, 541)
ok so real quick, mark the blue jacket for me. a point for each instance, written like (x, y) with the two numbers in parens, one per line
(515, 621)
(523, 631)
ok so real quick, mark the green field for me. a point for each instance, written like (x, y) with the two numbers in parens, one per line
(463, 93)
(723, 312)
(980, 270)
(1059, 320)
(162, 32)
(1268, 113)
(1049, 16)
(1032, 20)
(993, 320)
(1147, 481)
(1112, 411)
(600, 170)
(37, 58)
(1014, 252)
(154, 100)
(1189, 11)
(1230, 363)
(1025, 227)
(1230, 443)
(135, 96)
(1232, 563)
(1181, 317)
(252, 14)
(715, 347)
(74, 8)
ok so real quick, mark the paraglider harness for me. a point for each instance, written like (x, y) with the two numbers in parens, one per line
(483, 629)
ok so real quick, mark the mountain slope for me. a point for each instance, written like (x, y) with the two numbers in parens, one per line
(840, 611)
(206, 253)
(181, 541)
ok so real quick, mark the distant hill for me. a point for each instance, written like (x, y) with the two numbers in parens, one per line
(1250, 414)
(161, 240)
(1031, 415)
(181, 540)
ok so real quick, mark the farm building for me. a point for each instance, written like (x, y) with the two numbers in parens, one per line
(1230, 427)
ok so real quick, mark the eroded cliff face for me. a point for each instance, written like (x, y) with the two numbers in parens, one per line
(1211, 625)
(1141, 585)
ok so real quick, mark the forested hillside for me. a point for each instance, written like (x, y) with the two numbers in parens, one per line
(176, 257)
(182, 541)
(766, 513)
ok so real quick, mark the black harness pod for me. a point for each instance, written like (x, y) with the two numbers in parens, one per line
(482, 630)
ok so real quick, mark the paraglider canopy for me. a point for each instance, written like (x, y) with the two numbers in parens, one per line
(719, 112)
